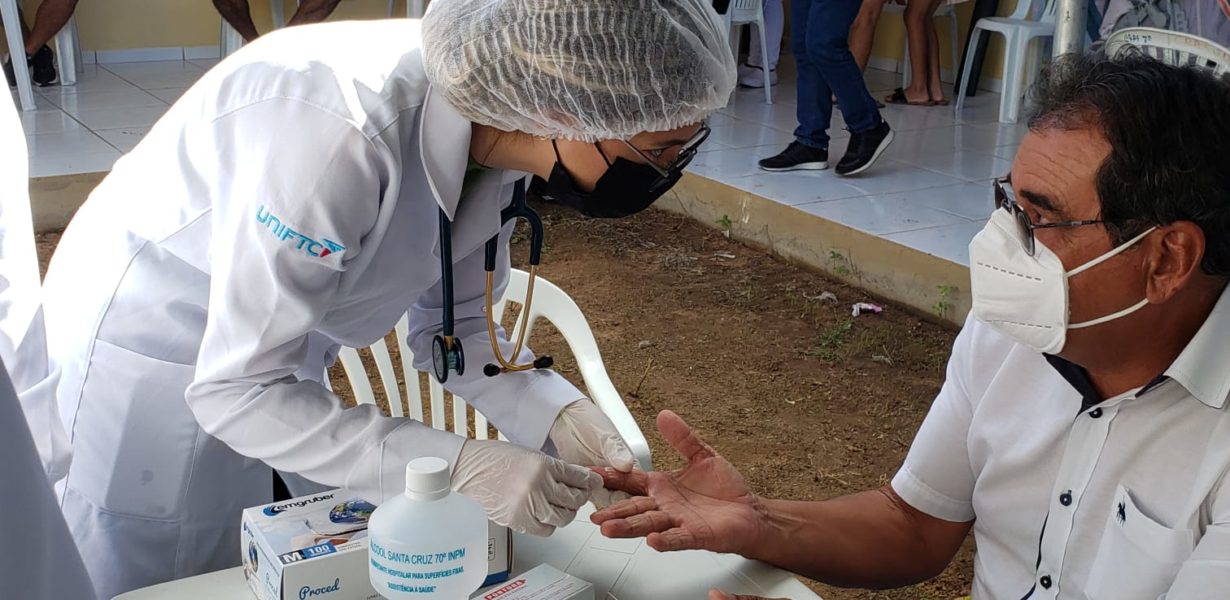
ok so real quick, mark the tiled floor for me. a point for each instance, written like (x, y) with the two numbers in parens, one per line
(930, 191)
(86, 127)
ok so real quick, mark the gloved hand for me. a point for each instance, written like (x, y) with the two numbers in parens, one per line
(583, 435)
(524, 490)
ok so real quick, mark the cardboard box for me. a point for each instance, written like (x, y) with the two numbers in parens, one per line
(315, 548)
(543, 582)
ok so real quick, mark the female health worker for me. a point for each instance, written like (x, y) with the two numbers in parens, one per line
(290, 203)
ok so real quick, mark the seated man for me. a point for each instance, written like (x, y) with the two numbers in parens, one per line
(239, 14)
(1083, 431)
(51, 17)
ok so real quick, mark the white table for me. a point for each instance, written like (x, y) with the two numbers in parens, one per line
(619, 570)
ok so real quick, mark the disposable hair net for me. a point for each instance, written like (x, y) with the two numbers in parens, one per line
(579, 69)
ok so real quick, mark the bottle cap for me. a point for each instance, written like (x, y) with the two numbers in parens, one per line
(427, 478)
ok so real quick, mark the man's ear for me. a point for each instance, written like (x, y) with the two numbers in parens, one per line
(1174, 260)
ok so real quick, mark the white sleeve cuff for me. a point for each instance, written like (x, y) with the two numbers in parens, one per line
(923, 497)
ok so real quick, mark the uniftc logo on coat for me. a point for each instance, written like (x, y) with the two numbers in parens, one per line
(282, 231)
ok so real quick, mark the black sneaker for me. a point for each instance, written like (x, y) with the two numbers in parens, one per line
(864, 149)
(43, 67)
(797, 157)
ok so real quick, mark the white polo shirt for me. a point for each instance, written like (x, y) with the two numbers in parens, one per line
(1127, 498)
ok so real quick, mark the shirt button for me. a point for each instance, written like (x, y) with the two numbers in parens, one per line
(1066, 498)
(1096, 413)
(1045, 581)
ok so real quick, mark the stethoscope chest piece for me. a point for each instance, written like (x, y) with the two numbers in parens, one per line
(446, 356)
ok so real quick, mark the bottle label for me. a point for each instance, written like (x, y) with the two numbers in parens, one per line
(416, 572)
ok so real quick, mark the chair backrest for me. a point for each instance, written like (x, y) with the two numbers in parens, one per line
(744, 11)
(550, 303)
(1034, 10)
(1170, 47)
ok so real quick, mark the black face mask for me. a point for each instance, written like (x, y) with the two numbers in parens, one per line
(625, 189)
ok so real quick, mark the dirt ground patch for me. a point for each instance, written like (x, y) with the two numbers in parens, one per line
(808, 401)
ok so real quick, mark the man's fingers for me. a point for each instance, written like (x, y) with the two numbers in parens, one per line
(635, 482)
(672, 540)
(636, 526)
(625, 509)
(680, 435)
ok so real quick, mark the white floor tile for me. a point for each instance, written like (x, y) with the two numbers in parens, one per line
(158, 75)
(205, 63)
(949, 241)
(749, 135)
(908, 145)
(885, 177)
(123, 140)
(47, 121)
(121, 118)
(890, 213)
(75, 104)
(911, 118)
(877, 79)
(973, 200)
(970, 166)
(77, 163)
(729, 164)
(1006, 152)
(759, 112)
(40, 102)
(64, 144)
(94, 79)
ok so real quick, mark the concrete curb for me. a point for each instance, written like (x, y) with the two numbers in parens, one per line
(936, 287)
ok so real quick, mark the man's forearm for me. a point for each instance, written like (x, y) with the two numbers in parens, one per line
(869, 539)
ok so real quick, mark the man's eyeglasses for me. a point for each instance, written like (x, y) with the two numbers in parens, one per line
(670, 173)
(1005, 198)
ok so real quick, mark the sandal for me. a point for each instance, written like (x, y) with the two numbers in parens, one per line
(898, 97)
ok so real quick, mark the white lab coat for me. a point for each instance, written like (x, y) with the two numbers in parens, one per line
(23, 341)
(287, 204)
(40, 561)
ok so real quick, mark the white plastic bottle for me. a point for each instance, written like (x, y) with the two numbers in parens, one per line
(429, 543)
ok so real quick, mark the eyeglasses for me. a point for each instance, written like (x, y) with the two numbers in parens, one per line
(669, 174)
(1005, 199)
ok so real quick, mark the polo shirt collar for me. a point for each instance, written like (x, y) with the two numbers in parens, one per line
(1203, 368)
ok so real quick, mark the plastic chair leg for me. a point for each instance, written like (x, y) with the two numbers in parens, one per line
(67, 53)
(907, 71)
(768, 82)
(17, 50)
(954, 41)
(415, 8)
(968, 67)
(1010, 96)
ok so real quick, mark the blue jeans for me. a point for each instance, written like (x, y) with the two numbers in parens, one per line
(820, 31)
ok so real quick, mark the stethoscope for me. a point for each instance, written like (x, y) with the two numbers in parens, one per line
(446, 351)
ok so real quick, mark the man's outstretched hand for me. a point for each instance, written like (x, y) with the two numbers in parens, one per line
(705, 505)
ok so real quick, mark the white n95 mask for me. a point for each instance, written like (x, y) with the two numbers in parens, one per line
(1026, 297)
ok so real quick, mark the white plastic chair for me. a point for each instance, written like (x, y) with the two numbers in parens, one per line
(229, 40)
(1171, 47)
(68, 52)
(1024, 26)
(550, 303)
(945, 11)
(746, 12)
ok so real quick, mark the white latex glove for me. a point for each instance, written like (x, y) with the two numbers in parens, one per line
(524, 490)
(583, 435)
